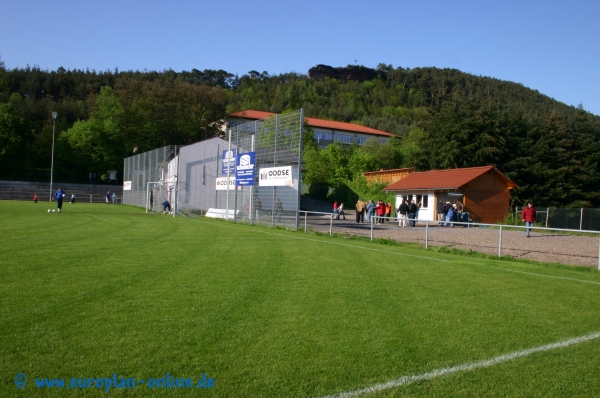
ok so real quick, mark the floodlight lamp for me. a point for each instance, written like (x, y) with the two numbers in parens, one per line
(54, 115)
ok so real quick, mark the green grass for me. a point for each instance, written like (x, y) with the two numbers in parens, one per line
(100, 289)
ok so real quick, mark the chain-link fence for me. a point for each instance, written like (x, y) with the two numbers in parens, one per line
(554, 217)
(254, 176)
(157, 165)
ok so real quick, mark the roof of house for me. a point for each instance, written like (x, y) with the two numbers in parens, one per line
(313, 122)
(446, 179)
(389, 171)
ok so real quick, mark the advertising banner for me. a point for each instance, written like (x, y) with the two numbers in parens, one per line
(244, 169)
(228, 161)
(126, 185)
(222, 183)
(275, 176)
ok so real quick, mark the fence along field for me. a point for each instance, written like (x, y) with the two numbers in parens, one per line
(103, 289)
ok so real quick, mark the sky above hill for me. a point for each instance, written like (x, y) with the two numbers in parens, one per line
(550, 46)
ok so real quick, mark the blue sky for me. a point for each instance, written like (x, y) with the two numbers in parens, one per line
(550, 46)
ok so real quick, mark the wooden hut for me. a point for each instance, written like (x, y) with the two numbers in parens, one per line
(483, 191)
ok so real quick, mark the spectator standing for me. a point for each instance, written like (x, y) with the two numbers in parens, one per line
(335, 209)
(114, 198)
(459, 207)
(380, 211)
(402, 212)
(340, 211)
(412, 214)
(360, 211)
(35, 198)
(441, 212)
(388, 210)
(108, 197)
(72, 198)
(529, 215)
(370, 210)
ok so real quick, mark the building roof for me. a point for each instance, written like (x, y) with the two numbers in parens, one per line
(313, 122)
(446, 179)
(388, 171)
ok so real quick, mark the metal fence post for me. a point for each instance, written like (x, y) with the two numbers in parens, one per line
(371, 228)
(426, 233)
(91, 198)
(331, 224)
(581, 220)
(305, 217)
(500, 243)
(547, 216)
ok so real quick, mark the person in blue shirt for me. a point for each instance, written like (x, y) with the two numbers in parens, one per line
(59, 196)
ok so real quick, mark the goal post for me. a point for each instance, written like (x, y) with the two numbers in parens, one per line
(159, 192)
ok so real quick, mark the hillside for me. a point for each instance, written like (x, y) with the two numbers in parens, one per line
(447, 119)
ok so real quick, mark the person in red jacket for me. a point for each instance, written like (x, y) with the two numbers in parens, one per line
(380, 208)
(528, 215)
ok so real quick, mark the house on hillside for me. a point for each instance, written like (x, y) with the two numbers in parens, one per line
(387, 176)
(484, 191)
(326, 131)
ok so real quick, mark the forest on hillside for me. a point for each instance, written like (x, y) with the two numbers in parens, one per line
(443, 118)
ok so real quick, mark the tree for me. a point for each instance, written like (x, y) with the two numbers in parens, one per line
(99, 143)
(13, 136)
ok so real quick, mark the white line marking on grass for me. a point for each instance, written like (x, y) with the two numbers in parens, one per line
(347, 245)
(553, 277)
(405, 380)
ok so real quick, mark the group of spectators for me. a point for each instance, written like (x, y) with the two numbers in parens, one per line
(407, 213)
(373, 212)
(449, 212)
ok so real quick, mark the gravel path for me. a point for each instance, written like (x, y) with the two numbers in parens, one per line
(546, 247)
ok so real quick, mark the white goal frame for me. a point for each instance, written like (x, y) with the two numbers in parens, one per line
(167, 191)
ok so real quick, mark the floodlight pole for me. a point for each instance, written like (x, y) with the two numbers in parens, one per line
(54, 116)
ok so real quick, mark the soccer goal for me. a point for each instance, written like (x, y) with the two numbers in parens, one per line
(158, 194)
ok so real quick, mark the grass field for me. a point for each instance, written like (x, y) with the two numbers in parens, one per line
(103, 290)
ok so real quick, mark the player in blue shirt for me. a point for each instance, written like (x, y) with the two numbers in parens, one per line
(59, 196)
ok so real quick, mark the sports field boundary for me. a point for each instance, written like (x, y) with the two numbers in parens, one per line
(466, 367)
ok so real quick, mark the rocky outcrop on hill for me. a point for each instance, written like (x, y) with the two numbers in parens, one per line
(350, 72)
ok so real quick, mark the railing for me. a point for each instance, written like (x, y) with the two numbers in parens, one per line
(576, 218)
(320, 220)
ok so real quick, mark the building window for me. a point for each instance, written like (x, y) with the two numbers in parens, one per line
(320, 135)
(361, 140)
(344, 138)
(423, 200)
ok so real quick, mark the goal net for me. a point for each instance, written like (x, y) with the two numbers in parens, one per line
(161, 196)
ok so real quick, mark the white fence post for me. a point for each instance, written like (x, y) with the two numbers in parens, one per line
(331, 225)
(500, 243)
(426, 233)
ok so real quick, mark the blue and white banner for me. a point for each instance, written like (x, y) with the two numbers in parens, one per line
(228, 161)
(244, 169)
